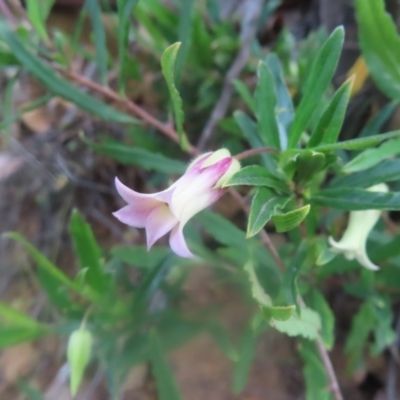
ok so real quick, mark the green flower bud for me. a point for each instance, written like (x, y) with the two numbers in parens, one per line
(78, 355)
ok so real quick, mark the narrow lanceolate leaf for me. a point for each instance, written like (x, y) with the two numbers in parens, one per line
(10, 336)
(246, 355)
(358, 144)
(42, 261)
(99, 37)
(245, 94)
(378, 37)
(307, 324)
(125, 8)
(289, 221)
(167, 388)
(264, 205)
(318, 80)
(321, 306)
(57, 85)
(372, 157)
(354, 199)
(257, 176)
(331, 122)
(249, 129)
(138, 156)
(37, 11)
(315, 377)
(265, 102)
(386, 171)
(168, 61)
(88, 252)
(284, 107)
(12, 317)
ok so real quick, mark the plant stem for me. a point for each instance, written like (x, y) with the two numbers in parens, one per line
(253, 152)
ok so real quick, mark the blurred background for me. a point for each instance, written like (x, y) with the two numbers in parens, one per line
(58, 154)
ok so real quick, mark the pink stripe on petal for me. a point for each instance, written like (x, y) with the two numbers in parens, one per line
(178, 243)
(192, 185)
(159, 222)
(134, 216)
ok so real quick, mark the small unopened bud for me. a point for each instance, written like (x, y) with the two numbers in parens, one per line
(78, 355)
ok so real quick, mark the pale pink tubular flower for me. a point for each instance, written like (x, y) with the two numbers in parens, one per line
(169, 210)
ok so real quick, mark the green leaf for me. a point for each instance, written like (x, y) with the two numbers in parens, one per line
(245, 94)
(316, 380)
(184, 34)
(138, 156)
(371, 157)
(265, 102)
(331, 121)
(264, 205)
(138, 256)
(289, 221)
(37, 13)
(10, 316)
(321, 306)
(318, 81)
(99, 36)
(15, 335)
(43, 262)
(246, 355)
(387, 171)
(223, 230)
(358, 144)
(257, 176)
(284, 107)
(363, 323)
(308, 164)
(125, 8)
(277, 313)
(88, 252)
(168, 61)
(355, 199)
(167, 388)
(306, 325)
(57, 85)
(378, 37)
(249, 129)
(375, 124)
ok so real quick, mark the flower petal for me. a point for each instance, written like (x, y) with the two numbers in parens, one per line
(159, 222)
(363, 259)
(132, 197)
(200, 203)
(178, 243)
(135, 214)
(196, 183)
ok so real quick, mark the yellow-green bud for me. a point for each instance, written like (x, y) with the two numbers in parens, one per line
(78, 355)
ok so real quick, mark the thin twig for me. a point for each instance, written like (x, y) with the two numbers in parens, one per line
(254, 152)
(249, 30)
(138, 111)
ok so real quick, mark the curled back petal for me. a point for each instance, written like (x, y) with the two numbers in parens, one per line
(178, 243)
(135, 215)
